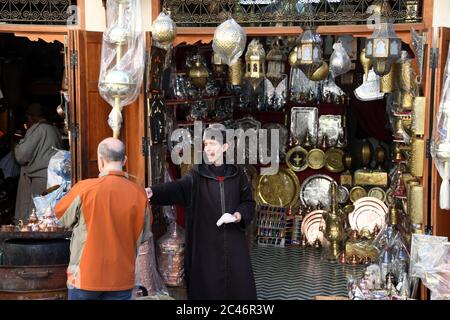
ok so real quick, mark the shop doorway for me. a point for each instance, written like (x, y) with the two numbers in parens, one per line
(30, 72)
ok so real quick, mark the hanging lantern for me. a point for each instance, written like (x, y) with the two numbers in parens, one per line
(310, 52)
(383, 47)
(255, 63)
(229, 41)
(276, 60)
(164, 29)
(198, 73)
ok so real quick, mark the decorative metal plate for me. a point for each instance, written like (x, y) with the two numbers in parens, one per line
(316, 159)
(343, 195)
(331, 127)
(316, 189)
(296, 159)
(334, 160)
(369, 212)
(279, 190)
(357, 193)
(378, 193)
(313, 225)
(304, 120)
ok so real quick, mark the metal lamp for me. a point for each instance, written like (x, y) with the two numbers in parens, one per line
(255, 63)
(383, 48)
(198, 73)
(309, 52)
(276, 64)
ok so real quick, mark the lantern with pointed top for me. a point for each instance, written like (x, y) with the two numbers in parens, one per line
(309, 52)
(383, 47)
(255, 63)
(276, 60)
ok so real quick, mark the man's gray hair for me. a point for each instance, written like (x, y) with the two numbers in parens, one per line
(112, 155)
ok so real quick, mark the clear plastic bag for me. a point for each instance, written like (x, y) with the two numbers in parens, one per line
(122, 60)
(340, 62)
(229, 41)
(59, 170)
(430, 261)
(440, 144)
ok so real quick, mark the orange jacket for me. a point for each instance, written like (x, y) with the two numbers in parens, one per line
(110, 219)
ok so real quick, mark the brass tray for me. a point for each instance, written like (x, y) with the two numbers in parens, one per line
(316, 159)
(333, 160)
(296, 159)
(278, 190)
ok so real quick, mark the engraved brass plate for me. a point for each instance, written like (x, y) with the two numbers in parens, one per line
(296, 159)
(333, 160)
(316, 159)
(279, 190)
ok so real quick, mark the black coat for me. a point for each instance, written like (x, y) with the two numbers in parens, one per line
(217, 259)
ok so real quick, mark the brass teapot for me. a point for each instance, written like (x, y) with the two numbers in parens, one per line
(334, 229)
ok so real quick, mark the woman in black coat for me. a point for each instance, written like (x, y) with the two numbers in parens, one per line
(217, 259)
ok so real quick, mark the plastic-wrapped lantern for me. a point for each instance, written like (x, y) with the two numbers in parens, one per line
(255, 63)
(276, 64)
(229, 41)
(164, 29)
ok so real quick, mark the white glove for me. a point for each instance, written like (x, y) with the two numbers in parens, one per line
(226, 218)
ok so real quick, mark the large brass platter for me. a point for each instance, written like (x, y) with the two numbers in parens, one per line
(333, 160)
(279, 190)
(316, 159)
(296, 159)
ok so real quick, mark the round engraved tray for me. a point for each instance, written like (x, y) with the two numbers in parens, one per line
(369, 212)
(279, 190)
(312, 226)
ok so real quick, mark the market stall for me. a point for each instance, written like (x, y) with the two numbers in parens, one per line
(352, 122)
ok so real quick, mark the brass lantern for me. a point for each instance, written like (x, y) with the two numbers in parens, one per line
(276, 60)
(218, 64)
(198, 73)
(255, 59)
(309, 52)
(383, 47)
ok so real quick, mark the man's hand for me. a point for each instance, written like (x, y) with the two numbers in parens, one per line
(149, 192)
(238, 217)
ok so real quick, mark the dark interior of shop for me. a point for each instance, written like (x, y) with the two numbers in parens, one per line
(30, 72)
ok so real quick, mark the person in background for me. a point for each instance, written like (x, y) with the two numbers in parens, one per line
(110, 218)
(219, 206)
(33, 154)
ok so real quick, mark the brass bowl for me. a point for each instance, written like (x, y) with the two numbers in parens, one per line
(321, 73)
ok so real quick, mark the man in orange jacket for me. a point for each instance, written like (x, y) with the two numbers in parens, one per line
(110, 219)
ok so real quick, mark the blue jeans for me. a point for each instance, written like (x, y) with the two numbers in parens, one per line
(78, 294)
